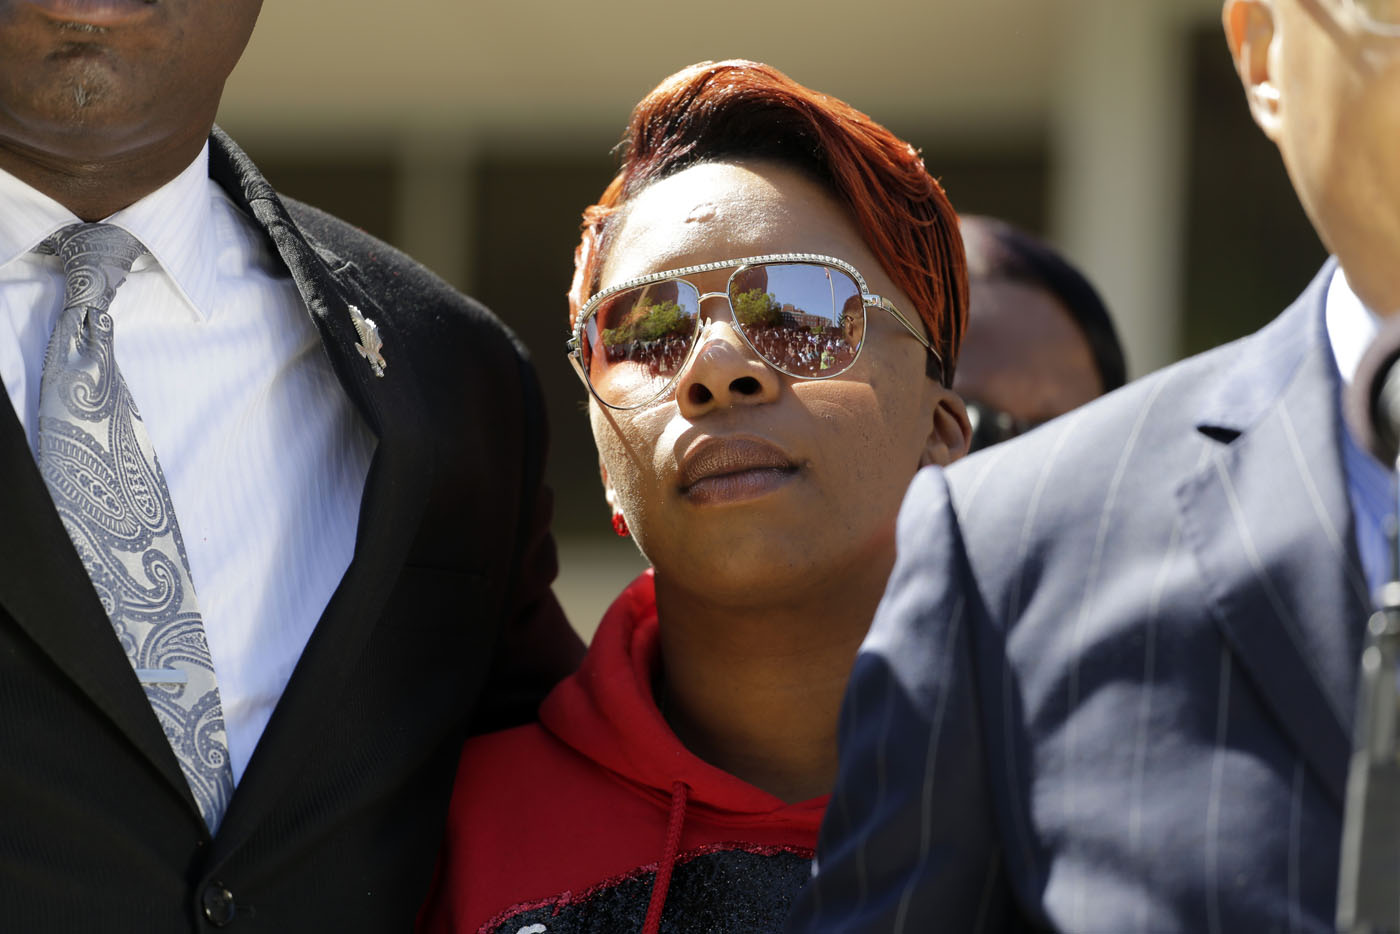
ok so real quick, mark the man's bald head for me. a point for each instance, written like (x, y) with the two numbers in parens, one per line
(1322, 79)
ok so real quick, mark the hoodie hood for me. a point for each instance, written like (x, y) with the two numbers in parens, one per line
(607, 712)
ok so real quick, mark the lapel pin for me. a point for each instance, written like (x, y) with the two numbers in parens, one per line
(370, 344)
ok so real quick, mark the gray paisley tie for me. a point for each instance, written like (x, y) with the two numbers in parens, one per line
(102, 472)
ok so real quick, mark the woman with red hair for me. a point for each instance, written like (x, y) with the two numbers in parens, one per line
(766, 309)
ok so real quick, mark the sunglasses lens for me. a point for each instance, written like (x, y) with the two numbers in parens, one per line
(637, 340)
(805, 319)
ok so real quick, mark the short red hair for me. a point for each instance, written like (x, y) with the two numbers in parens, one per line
(739, 109)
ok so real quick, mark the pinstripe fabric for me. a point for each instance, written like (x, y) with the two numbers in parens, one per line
(1218, 763)
(1083, 618)
(263, 454)
(1295, 850)
(1117, 657)
(1325, 520)
(926, 801)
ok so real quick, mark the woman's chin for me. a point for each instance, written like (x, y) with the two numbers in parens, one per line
(749, 571)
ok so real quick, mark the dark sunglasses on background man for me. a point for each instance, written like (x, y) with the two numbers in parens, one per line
(802, 313)
(990, 425)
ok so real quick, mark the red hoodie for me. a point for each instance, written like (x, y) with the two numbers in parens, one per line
(598, 819)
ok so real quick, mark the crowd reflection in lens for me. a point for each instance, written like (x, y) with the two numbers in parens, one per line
(653, 327)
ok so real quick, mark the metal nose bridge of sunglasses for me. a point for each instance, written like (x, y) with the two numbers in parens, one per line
(708, 295)
(704, 321)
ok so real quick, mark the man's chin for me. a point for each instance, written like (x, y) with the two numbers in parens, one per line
(66, 86)
(76, 135)
(84, 99)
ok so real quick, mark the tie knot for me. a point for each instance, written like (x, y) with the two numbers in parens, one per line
(96, 259)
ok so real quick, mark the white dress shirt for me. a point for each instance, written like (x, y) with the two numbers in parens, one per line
(1351, 328)
(263, 453)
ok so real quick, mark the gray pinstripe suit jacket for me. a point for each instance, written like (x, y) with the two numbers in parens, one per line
(1110, 687)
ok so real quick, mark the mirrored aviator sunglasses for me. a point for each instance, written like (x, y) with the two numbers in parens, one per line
(804, 314)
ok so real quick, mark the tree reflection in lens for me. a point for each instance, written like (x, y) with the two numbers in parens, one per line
(652, 328)
(796, 327)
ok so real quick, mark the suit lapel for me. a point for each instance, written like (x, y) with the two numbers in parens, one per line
(394, 496)
(46, 590)
(1266, 504)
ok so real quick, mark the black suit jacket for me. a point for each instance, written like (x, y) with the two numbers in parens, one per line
(444, 619)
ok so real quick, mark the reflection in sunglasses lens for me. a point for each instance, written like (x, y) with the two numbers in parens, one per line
(639, 338)
(805, 319)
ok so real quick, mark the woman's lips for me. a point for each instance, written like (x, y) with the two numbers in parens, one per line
(99, 13)
(722, 470)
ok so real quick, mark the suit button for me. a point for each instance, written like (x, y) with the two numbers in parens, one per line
(218, 904)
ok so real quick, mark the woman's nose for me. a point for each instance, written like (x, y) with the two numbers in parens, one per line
(725, 372)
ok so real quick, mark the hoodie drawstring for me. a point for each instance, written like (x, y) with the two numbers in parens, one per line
(679, 793)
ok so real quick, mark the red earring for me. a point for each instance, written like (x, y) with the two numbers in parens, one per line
(620, 524)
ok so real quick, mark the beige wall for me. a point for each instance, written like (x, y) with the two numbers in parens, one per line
(543, 68)
(433, 80)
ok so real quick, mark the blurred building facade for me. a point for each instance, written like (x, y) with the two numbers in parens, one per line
(472, 135)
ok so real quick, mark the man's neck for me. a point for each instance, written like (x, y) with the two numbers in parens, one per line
(94, 189)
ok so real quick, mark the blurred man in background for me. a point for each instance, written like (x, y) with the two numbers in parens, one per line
(1039, 340)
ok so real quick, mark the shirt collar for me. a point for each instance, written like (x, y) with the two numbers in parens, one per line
(173, 223)
(1351, 326)
(27, 217)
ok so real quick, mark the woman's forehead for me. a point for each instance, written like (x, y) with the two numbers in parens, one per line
(724, 210)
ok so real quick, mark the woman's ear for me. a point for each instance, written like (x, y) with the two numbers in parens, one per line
(608, 492)
(950, 432)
